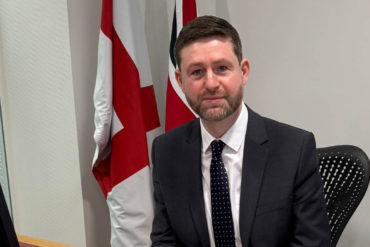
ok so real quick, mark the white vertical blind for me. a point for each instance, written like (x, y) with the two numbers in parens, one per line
(4, 182)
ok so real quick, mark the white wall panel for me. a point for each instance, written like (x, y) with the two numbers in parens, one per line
(45, 183)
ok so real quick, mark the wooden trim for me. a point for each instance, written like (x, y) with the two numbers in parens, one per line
(39, 242)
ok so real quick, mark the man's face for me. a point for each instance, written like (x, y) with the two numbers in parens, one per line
(212, 78)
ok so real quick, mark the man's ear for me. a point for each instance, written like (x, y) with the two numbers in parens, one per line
(178, 78)
(244, 65)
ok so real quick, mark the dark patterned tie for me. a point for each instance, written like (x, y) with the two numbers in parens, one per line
(222, 220)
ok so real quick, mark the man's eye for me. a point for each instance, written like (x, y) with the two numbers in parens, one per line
(222, 68)
(196, 72)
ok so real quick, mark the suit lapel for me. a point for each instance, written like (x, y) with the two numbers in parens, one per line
(193, 162)
(254, 162)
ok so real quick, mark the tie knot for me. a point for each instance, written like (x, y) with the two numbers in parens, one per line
(217, 146)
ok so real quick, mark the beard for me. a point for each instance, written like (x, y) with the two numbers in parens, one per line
(216, 112)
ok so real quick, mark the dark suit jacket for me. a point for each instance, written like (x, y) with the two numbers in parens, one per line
(8, 237)
(281, 201)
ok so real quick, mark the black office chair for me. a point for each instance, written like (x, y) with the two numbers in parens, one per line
(345, 173)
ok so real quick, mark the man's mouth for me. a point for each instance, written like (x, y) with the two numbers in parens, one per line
(213, 98)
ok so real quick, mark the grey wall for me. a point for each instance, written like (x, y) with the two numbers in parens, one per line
(84, 27)
(309, 67)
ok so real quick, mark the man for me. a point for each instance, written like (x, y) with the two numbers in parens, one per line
(232, 177)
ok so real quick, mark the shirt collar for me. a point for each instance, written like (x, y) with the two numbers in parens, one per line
(233, 136)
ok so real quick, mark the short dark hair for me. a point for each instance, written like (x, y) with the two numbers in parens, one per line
(205, 27)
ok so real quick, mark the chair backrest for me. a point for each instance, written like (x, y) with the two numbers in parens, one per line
(345, 173)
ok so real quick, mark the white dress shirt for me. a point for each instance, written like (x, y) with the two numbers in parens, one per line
(232, 156)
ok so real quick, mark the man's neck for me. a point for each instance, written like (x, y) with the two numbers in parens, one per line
(219, 128)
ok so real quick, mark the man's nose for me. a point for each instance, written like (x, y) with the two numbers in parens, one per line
(211, 81)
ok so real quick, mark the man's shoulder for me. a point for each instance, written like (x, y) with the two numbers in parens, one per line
(280, 130)
(283, 137)
(185, 131)
(277, 126)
